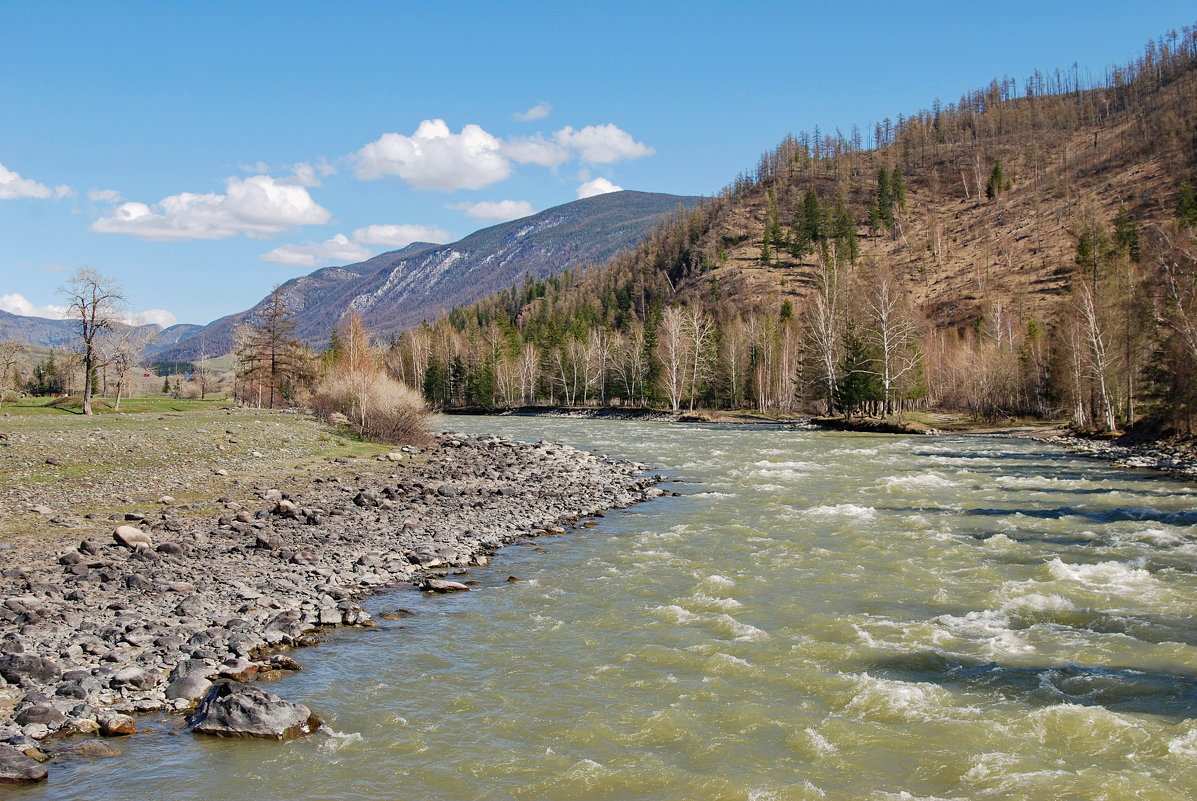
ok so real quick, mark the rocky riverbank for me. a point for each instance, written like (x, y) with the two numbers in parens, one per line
(1173, 456)
(145, 612)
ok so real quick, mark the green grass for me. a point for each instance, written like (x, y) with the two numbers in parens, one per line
(73, 404)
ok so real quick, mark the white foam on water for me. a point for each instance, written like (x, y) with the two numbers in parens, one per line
(1038, 602)
(1161, 538)
(336, 740)
(819, 743)
(990, 765)
(919, 481)
(889, 701)
(674, 614)
(711, 602)
(729, 660)
(849, 510)
(1111, 576)
(999, 541)
(1184, 745)
(743, 632)
(719, 581)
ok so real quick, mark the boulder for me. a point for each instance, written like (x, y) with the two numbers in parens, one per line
(442, 585)
(134, 678)
(232, 709)
(16, 768)
(188, 688)
(114, 724)
(17, 666)
(132, 537)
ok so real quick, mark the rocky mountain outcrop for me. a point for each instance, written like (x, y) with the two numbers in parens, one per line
(398, 289)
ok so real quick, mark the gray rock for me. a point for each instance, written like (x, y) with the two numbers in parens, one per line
(18, 666)
(16, 768)
(442, 585)
(188, 688)
(133, 677)
(231, 709)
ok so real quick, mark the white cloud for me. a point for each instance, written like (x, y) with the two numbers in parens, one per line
(498, 211)
(599, 186)
(62, 190)
(436, 158)
(18, 304)
(338, 249)
(307, 174)
(104, 196)
(400, 236)
(602, 144)
(535, 150)
(152, 317)
(537, 112)
(12, 185)
(257, 169)
(256, 206)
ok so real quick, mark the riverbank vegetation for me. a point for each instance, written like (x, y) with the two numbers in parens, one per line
(1029, 250)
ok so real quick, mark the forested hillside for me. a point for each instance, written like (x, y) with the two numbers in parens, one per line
(1028, 249)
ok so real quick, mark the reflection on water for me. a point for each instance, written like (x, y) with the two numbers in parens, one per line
(820, 615)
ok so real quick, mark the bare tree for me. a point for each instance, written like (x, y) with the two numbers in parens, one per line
(673, 353)
(94, 302)
(121, 349)
(893, 333)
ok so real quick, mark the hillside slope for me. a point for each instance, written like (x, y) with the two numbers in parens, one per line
(398, 289)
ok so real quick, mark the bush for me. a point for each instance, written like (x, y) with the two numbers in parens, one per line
(379, 408)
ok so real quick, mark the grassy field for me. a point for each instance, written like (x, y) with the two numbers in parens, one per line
(193, 451)
(74, 405)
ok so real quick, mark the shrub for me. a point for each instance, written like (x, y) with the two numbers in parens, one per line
(379, 408)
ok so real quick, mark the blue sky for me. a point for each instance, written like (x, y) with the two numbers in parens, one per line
(201, 153)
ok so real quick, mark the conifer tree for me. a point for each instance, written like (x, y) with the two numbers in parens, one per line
(1186, 203)
(996, 182)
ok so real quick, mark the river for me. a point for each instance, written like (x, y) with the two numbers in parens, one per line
(818, 616)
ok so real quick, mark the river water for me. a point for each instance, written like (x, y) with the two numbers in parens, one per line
(818, 615)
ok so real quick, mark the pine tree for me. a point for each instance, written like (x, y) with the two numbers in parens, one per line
(996, 182)
(1126, 234)
(898, 188)
(1186, 203)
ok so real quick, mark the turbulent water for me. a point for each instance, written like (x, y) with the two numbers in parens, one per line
(819, 615)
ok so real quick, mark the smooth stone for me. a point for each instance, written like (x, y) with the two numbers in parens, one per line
(132, 537)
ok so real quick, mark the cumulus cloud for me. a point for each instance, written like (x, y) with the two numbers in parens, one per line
(599, 186)
(400, 236)
(259, 167)
(436, 158)
(537, 112)
(498, 211)
(19, 304)
(152, 317)
(535, 150)
(602, 144)
(12, 185)
(104, 196)
(256, 206)
(336, 250)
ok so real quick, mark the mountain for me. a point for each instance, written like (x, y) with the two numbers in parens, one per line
(44, 332)
(1029, 249)
(421, 281)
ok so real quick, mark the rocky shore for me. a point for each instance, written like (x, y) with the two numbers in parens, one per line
(1178, 457)
(147, 611)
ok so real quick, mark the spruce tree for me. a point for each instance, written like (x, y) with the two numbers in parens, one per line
(1186, 203)
(996, 182)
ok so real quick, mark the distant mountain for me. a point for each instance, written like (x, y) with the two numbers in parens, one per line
(397, 289)
(44, 332)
